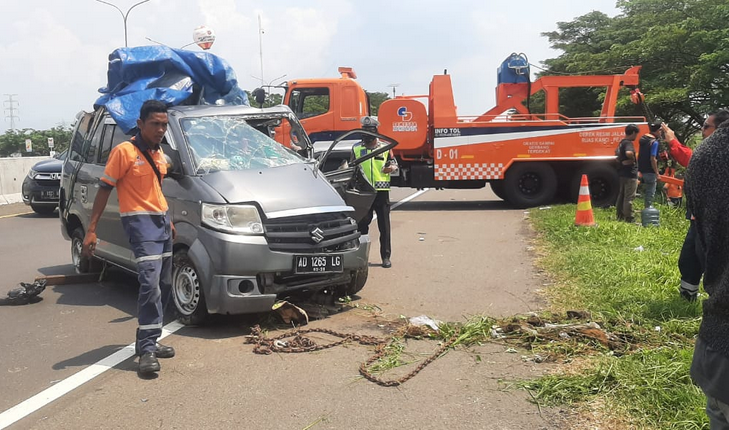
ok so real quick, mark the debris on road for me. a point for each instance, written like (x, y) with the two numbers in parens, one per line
(25, 293)
(299, 343)
(534, 330)
(81, 278)
(290, 313)
(424, 320)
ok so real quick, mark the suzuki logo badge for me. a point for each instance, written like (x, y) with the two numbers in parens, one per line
(317, 235)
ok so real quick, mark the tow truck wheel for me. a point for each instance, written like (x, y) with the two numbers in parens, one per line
(187, 291)
(529, 184)
(604, 184)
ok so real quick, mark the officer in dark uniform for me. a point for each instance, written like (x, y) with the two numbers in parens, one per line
(377, 170)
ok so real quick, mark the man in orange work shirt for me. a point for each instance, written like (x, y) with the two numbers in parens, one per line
(136, 169)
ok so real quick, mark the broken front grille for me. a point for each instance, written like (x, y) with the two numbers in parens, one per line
(312, 233)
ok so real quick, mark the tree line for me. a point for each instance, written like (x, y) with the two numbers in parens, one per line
(680, 44)
(13, 141)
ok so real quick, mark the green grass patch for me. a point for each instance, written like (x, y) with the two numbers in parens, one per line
(627, 277)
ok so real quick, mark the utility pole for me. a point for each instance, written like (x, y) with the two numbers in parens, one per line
(11, 109)
(393, 89)
(260, 46)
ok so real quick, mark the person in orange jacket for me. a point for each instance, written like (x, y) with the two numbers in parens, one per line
(690, 261)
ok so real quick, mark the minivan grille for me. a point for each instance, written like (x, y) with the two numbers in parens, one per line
(312, 233)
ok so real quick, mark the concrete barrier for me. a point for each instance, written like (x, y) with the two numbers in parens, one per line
(12, 174)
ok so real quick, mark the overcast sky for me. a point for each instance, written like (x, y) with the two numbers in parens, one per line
(54, 53)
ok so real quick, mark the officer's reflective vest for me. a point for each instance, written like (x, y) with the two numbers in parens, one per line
(373, 167)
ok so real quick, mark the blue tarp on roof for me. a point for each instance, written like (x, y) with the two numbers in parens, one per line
(157, 72)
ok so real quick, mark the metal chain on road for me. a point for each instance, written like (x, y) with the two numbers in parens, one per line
(299, 343)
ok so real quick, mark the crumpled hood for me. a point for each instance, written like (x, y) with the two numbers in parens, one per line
(276, 189)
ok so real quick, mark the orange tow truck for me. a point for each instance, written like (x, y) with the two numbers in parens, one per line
(529, 159)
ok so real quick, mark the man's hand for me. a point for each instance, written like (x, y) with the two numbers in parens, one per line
(389, 169)
(174, 231)
(89, 244)
(668, 133)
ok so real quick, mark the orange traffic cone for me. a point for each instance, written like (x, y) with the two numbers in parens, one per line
(584, 214)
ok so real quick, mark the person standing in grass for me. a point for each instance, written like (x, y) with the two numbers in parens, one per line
(707, 182)
(648, 162)
(628, 174)
(688, 261)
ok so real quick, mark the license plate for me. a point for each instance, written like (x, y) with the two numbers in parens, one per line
(49, 194)
(331, 263)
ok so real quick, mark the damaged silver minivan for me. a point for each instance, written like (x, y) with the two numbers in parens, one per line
(255, 221)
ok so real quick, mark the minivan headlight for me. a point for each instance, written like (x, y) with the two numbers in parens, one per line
(240, 219)
(32, 173)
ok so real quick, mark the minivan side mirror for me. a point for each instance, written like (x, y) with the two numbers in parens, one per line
(174, 165)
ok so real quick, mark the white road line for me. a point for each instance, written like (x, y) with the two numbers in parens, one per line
(27, 407)
(405, 200)
(74, 381)
(410, 197)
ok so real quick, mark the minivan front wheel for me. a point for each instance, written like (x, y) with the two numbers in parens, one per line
(187, 291)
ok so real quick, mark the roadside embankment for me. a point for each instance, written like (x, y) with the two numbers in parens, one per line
(12, 173)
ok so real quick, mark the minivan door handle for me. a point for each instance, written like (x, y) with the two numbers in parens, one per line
(84, 194)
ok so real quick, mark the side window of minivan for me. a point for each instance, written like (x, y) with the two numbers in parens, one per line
(92, 152)
(113, 136)
(77, 143)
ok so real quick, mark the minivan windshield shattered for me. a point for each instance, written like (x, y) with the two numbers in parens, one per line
(222, 143)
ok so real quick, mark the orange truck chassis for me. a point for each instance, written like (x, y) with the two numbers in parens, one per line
(529, 159)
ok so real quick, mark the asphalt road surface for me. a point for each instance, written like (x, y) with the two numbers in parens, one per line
(455, 254)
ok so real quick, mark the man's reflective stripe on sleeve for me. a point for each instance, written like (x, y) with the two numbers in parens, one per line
(109, 180)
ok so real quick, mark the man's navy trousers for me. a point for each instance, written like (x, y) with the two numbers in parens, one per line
(151, 241)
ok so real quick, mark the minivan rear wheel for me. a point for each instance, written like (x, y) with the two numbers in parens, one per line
(187, 291)
(81, 262)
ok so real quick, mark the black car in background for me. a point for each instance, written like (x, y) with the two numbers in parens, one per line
(41, 185)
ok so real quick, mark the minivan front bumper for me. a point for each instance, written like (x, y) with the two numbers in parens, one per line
(242, 275)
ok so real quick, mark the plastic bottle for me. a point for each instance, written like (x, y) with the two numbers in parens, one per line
(650, 216)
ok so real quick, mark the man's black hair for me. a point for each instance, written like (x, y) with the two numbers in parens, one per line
(151, 106)
(654, 126)
(720, 117)
(630, 129)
